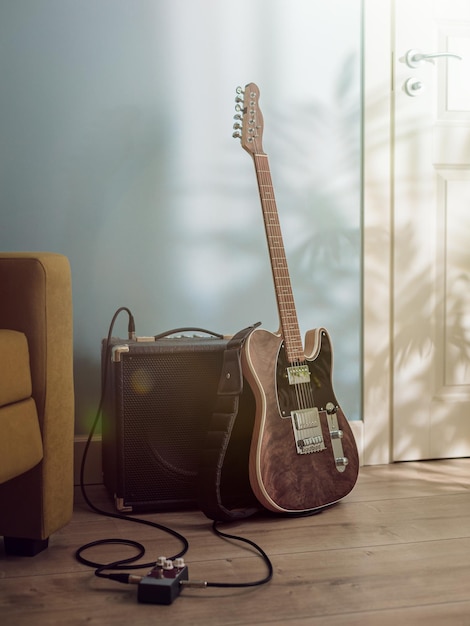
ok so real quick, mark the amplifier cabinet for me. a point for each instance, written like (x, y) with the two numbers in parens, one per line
(158, 400)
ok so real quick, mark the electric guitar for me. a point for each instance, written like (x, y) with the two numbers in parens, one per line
(303, 455)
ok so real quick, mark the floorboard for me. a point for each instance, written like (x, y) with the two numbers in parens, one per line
(396, 549)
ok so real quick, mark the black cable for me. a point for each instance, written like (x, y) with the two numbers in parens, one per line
(116, 564)
(258, 548)
(123, 563)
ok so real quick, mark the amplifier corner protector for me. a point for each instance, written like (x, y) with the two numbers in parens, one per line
(120, 506)
(117, 351)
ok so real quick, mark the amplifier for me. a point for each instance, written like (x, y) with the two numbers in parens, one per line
(158, 401)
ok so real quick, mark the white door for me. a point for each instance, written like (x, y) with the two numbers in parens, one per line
(431, 230)
(417, 230)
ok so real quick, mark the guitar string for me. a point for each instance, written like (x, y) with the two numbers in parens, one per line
(290, 328)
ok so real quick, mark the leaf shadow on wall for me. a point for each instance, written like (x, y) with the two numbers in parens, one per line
(315, 157)
(117, 185)
(428, 340)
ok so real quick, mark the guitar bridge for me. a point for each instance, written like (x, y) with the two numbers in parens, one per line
(307, 431)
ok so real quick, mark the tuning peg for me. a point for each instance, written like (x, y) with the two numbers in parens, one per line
(237, 116)
(237, 126)
(237, 135)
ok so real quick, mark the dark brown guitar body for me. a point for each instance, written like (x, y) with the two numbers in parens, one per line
(283, 479)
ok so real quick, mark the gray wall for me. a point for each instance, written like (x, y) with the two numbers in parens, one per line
(116, 151)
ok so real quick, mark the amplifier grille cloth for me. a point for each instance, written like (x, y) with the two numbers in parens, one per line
(167, 403)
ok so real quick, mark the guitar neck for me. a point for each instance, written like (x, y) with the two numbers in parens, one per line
(282, 284)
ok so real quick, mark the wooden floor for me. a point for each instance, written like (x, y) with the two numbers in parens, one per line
(395, 551)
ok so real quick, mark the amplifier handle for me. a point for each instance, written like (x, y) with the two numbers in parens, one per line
(188, 329)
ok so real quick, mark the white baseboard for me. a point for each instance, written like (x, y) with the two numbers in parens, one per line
(93, 474)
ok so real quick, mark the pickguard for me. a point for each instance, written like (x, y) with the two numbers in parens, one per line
(316, 383)
(305, 397)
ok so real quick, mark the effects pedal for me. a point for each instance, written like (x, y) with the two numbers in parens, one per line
(163, 583)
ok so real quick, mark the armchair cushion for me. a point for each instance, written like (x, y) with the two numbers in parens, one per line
(15, 381)
(20, 435)
(20, 439)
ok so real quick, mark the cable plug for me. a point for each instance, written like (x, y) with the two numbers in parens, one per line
(124, 578)
(131, 327)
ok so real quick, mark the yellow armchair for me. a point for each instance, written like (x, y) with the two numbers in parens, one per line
(36, 399)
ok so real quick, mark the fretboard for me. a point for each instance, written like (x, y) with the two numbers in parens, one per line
(285, 300)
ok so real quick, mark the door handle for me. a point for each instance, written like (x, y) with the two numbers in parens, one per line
(414, 58)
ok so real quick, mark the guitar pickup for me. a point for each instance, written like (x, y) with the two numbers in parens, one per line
(297, 374)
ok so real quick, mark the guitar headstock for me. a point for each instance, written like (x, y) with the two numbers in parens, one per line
(248, 119)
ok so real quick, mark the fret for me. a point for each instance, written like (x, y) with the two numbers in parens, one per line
(284, 297)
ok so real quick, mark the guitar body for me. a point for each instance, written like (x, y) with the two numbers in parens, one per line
(290, 472)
